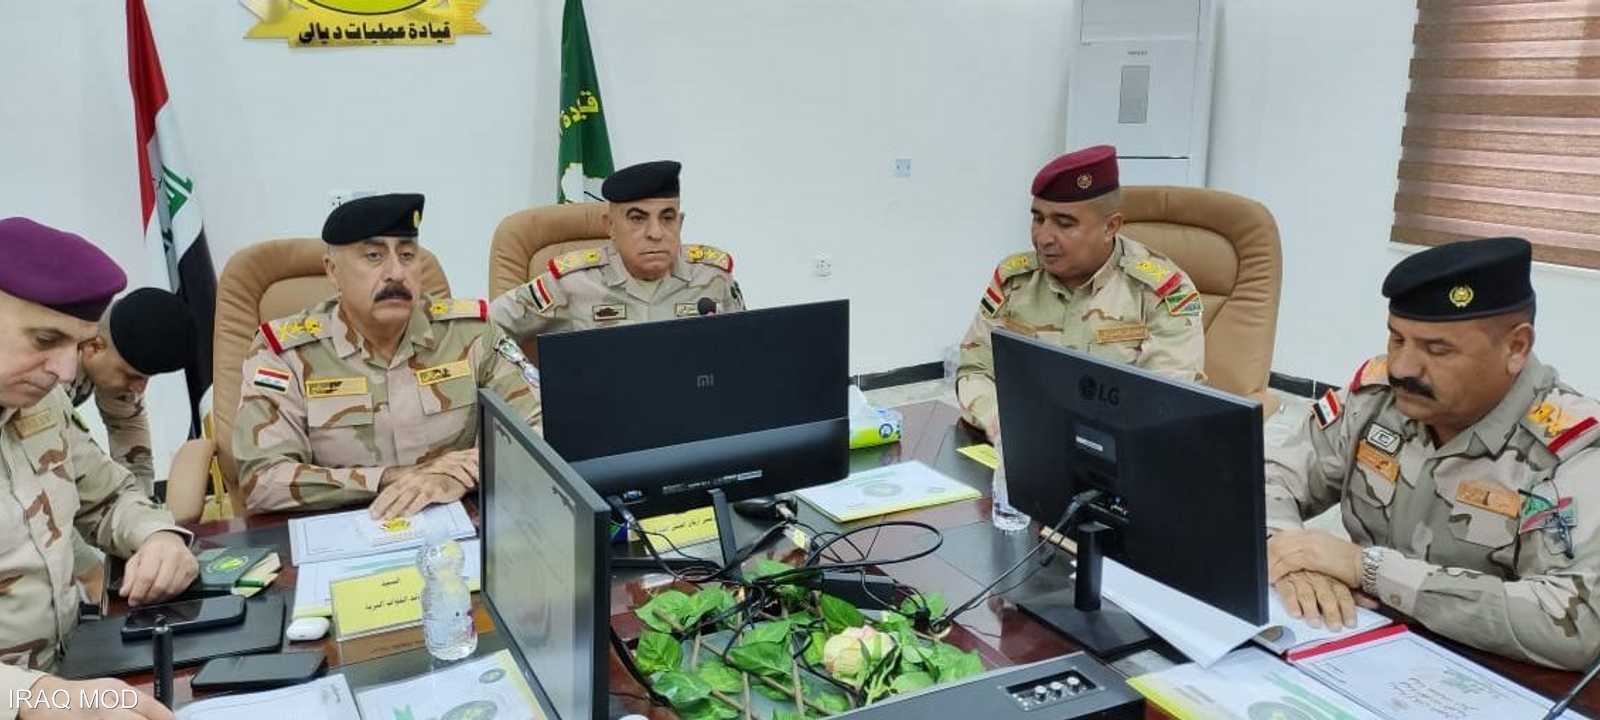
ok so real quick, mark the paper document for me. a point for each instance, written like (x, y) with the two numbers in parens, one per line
(311, 595)
(1247, 684)
(885, 490)
(1203, 633)
(1407, 677)
(490, 687)
(336, 536)
(985, 454)
(322, 699)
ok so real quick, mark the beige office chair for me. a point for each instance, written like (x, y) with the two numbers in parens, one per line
(264, 282)
(1229, 247)
(527, 239)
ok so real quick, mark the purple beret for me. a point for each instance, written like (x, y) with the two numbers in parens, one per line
(1078, 176)
(57, 269)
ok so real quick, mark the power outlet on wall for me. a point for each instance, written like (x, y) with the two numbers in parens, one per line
(902, 167)
(822, 266)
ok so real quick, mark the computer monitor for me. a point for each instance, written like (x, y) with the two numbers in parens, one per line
(656, 415)
(1178, 470)
(546, 577)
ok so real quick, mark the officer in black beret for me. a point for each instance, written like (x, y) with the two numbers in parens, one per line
(371, 396)
(146, 333)
(644, 273)
(1464, 470)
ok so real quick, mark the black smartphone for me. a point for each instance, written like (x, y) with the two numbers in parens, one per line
(258, 672)
(186, 616)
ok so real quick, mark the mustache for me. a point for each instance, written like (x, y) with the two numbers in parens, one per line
(392, 292)
(1413, 386)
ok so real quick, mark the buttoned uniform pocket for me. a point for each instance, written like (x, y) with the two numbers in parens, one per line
(1479, 526)
(341, 431)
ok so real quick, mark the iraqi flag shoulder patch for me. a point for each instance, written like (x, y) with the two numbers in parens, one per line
(1327, 409)
(269, 379)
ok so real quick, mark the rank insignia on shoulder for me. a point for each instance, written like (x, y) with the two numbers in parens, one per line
(576, 260)
(1327, 409)
(1184, 304)
(1371, 372)
(292, 332)
(1014, 265)
(270, 379)
(1163, 280)
(1557, 427)
(458, 309)
(707, 255)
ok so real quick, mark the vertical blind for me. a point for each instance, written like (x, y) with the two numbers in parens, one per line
(1502, 131)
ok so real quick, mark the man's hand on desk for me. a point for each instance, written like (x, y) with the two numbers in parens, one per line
(407, 490)
(162, 568)
(1320, 600)
(1315, 574)
(51, 688)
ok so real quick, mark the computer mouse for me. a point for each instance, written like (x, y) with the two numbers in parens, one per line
(764, 508)
(307, 628)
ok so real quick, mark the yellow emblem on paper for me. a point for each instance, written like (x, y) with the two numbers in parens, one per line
(1461, 296)
(319, 23)
(1085, 181)
(395, 525)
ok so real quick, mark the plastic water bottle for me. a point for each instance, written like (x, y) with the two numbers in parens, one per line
(1006, 519)
(446, 601)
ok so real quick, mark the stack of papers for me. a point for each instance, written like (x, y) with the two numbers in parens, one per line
(312, 596)
(885, 490)
(337, 536)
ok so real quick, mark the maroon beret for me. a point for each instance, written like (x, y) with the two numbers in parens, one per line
(57, 269)
(1077, 176)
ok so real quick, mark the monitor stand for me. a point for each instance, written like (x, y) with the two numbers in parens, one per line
(726, 542)
(1103, 629)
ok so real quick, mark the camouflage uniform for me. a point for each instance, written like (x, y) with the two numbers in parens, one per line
(56, 479)
(127, 426)
(1495, 537)
(320, 418)
(1138, 308)
(591, 288)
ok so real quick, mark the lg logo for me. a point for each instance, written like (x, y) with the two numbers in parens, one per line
(1094, 391)
(705, 381)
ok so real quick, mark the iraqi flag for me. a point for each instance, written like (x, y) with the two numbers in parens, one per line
(174, 240)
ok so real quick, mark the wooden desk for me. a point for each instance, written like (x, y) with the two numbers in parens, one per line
(997, 630)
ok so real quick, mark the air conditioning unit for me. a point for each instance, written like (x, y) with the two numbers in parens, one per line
(1142, 80)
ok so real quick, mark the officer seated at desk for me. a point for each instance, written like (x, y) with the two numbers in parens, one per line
(370, 396)
(1467, 474)
(53, 288)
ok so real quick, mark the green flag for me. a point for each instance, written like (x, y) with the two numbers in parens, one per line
(585, 156)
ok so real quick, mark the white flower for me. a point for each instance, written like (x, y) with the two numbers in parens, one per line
(851, 653)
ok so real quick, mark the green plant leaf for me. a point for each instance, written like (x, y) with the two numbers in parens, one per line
(657, 652)
(781, 714)
(776, 631)
(766, 567)
(708, 709)
(892, 622)
(833, 702)
(771, 693)
(720, 677)
(680, 688)
(935, 602)
(912, 682)
(912, 649)
(839, 614)
(712, 600)
(949, 663)
(813, 654)
(769, 659)
(798, 620)
(668, 612)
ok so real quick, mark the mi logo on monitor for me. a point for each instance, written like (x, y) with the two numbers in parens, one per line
(705, 381)
(1095, 392)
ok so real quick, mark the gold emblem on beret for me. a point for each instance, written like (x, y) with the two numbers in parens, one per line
(416, 218)
(1461, 296)
(1084, 181)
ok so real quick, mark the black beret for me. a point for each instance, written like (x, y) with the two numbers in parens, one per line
(1462, 281)
(57, 269)
(398, 214)
(153, 330)
(645, 181)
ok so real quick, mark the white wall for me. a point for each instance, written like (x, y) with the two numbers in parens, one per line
(788, 116)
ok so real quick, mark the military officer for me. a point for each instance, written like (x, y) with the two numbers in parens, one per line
(146, 333)
(371, 395)
(1084, 286)
(1463, 468)
(53, 287)
(643, 274)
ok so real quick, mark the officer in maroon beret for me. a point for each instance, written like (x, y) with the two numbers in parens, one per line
(54, 479)
(1083, 286)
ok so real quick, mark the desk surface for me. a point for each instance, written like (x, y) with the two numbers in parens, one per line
(997, 630)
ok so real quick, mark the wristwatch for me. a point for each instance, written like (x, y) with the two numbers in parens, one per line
(1371, 558)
